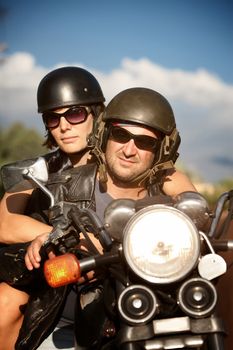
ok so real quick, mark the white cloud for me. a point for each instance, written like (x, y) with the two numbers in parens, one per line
(202, 103)
(19, 70)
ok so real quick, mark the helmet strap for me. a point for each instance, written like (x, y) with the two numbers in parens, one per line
(166, 159)
(94, 142)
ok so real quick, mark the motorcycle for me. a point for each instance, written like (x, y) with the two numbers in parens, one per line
(159, 267)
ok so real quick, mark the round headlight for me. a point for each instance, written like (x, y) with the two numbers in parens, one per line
(161, 244)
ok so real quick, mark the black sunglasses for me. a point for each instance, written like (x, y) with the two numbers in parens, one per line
(74, 115)
(144, 142)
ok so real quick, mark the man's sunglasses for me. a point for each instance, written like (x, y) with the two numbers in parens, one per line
(144, 142)
(74, 115)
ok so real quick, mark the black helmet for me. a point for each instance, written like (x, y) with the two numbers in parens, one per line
(68, 86)
(147, 107)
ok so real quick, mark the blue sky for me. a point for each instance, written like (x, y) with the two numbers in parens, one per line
(183, 34)
(182, 48)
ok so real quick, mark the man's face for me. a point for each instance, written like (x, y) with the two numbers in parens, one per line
(126, 161)
(71, 138)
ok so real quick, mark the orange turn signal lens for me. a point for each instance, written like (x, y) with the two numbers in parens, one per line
(62, 270)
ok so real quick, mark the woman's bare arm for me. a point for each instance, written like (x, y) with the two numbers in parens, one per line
(16, 227)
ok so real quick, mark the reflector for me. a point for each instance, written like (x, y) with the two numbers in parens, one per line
(62, 270)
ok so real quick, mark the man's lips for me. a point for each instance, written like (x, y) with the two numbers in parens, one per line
(127, 161)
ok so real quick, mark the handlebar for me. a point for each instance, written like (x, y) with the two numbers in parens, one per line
(213, 232)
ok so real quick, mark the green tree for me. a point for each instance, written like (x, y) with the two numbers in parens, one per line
(222, 186)
(19, 142)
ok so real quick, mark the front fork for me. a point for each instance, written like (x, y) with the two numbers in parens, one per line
(215, 342)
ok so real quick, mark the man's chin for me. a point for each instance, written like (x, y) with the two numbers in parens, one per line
(126, 180)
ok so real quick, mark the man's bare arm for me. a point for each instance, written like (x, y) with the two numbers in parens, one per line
(177, 182)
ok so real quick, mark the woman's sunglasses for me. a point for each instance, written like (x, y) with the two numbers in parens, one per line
(74, 115)
(144, 142)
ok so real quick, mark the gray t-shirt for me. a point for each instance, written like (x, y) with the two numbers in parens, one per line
(102, 199)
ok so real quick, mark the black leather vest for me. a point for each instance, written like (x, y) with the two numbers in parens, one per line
(45, 305)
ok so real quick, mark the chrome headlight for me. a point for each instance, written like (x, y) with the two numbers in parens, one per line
(161, 244)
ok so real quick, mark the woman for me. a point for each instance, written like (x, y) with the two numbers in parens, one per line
(71, 101)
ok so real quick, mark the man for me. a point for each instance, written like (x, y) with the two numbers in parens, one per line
(140, 142)
(135, 166)
(71, 102)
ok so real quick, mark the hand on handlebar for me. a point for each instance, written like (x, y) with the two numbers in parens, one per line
(32, 257)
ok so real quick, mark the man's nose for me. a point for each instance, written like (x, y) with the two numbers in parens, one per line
(130, 148)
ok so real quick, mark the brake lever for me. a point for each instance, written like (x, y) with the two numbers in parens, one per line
(88, 217)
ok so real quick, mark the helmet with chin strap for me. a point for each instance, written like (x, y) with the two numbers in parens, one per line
(66, 87)
(147, 108)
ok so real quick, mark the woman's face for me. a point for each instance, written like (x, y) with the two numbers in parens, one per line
(71, 138)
